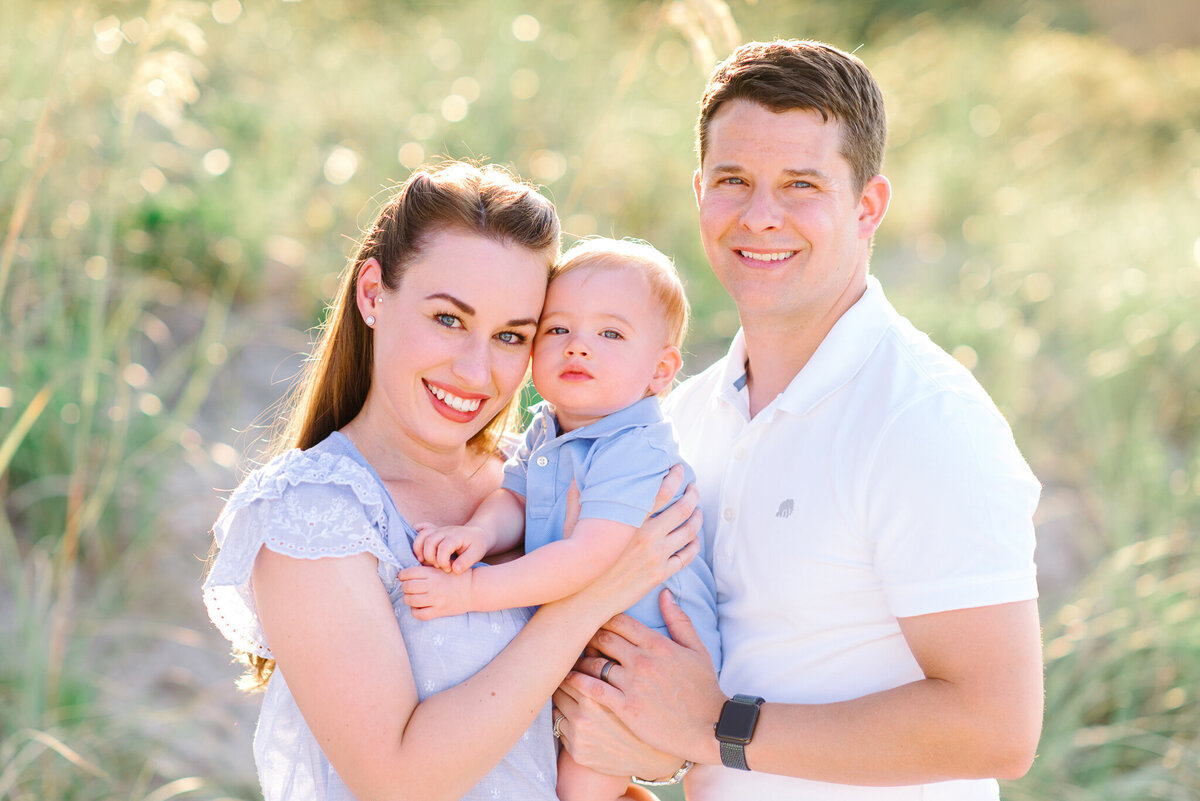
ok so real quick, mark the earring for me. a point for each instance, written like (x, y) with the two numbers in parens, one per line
(370, 320)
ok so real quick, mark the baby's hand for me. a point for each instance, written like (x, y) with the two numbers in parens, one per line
(430, 593)
(451, 548)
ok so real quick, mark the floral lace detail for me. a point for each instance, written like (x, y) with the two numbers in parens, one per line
(305, 504)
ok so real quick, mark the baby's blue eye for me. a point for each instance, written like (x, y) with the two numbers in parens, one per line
(556, 329)
(611, 334)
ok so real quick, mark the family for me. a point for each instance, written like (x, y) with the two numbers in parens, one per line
(804, 573)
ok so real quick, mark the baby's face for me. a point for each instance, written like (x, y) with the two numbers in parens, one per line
(600, 344)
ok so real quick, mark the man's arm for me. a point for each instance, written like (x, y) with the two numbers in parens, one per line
(976, 714)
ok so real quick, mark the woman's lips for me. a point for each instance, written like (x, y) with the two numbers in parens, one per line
(452, 406)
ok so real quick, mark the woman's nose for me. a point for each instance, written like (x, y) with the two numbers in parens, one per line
(473, 364)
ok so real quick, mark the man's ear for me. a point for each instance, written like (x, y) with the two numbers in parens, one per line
(368, 289)
(670, 360)
(696, 185)
(873, 205)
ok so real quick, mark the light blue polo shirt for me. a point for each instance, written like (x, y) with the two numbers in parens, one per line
(618, 463)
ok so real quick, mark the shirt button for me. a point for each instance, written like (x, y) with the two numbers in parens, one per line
(542, 461)
(728, 513)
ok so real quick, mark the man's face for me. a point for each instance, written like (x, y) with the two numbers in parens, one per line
(785, 231)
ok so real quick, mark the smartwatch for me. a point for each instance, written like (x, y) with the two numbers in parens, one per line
(735, 727)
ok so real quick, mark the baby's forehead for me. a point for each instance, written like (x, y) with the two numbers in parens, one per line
(628, 282)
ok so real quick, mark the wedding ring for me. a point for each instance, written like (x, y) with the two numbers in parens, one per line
(608, 666)
(557, 722)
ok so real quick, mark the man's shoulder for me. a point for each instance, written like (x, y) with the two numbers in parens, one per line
(909, 359)
(696, 389)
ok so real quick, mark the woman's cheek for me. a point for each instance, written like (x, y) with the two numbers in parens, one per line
(511, 371)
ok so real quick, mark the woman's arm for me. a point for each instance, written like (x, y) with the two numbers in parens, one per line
(334, 636)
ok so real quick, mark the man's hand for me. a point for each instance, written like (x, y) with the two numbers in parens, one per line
(597, 739)
(453, 549)
(431, 593)
(665, 692)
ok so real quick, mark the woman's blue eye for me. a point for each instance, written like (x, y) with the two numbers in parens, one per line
(511, 338)
(448, 320)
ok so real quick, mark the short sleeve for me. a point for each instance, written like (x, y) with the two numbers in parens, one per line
(305, 504)
(950, 503)
(623, 477)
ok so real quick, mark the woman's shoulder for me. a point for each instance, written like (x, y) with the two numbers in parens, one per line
(306, 504)
(317, 471)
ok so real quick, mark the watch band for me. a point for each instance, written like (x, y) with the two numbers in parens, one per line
(733, 755)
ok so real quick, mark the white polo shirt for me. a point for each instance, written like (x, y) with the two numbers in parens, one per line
(883, 483)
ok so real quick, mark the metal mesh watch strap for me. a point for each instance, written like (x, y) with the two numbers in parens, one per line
(733, 755)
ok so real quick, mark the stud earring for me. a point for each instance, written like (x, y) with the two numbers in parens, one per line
(370, 320)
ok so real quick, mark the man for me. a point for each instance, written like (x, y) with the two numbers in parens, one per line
(866, 508)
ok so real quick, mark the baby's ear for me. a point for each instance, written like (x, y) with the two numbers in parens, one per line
(669, 362)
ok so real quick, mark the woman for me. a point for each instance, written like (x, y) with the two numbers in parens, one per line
(396, 419)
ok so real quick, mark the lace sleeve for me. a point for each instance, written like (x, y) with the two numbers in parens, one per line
(303, 504)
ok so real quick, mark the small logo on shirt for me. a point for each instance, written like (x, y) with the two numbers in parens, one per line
(785, 508)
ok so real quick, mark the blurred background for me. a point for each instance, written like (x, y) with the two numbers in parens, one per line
(180, 183)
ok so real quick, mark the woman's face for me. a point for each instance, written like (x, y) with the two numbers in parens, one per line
(452, 343)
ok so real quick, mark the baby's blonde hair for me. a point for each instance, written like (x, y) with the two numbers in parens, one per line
(599, 252)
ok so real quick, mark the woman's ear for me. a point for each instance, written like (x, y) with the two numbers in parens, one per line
(368, 289)
(670, 360)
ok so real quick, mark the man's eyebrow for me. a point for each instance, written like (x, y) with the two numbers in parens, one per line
(469, 310)
(809, 172)
(791, 172)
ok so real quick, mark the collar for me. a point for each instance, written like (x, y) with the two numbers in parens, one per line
(645, 412)
(836, 361)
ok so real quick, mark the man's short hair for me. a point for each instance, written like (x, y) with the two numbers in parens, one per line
(789, 74)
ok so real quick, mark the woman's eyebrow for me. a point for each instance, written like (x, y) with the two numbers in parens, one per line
(463, 306)
(469, 310)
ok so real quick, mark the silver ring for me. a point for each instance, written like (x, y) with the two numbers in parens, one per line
(604, 671)
(558, 722)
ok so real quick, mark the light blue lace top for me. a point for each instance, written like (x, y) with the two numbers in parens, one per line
(328, 501)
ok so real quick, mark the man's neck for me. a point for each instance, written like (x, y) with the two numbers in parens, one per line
(777, 349)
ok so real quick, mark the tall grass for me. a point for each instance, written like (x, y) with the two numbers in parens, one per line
(181, 180)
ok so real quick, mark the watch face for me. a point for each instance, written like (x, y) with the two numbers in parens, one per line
(737, 722)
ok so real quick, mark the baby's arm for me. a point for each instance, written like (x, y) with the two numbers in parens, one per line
(551, 572)
(495, 527)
